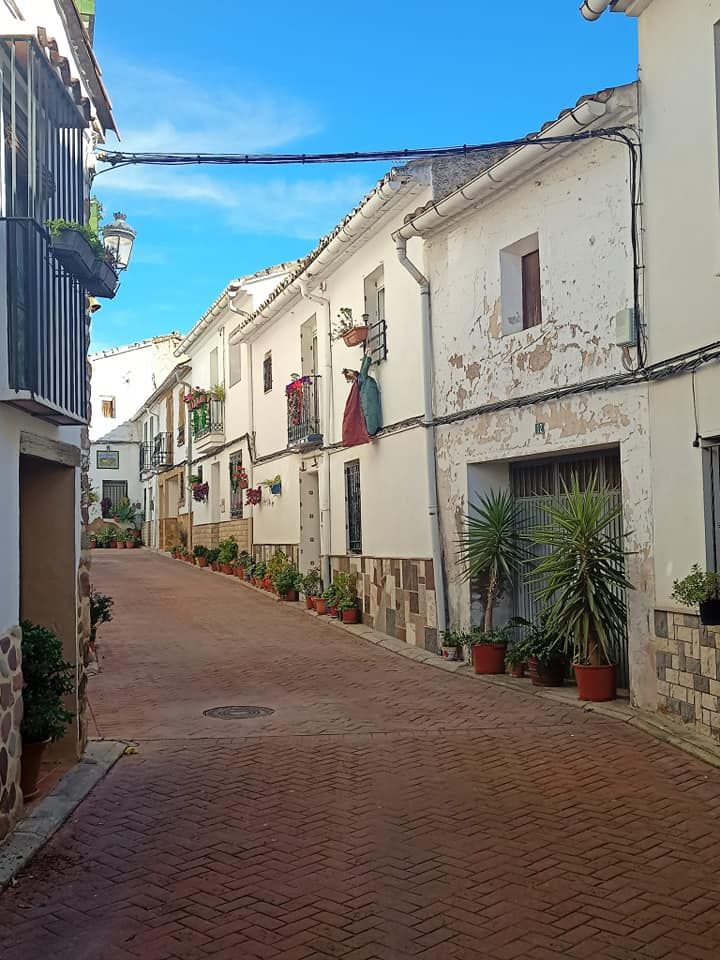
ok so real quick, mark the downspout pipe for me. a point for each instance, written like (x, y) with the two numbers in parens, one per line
(594, 9)
(430, 458)
(325, 419)
(188, 448)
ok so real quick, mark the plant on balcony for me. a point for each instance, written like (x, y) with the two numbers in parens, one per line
(700, 589)
(239, 478)
(218, 392)
(294, 391)
(346, 329)
(75, 245)
(253, 496)
(196, 397)
(48, 679)
(200, 491)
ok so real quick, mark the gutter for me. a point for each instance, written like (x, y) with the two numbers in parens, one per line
(594, 9)
(503, 172)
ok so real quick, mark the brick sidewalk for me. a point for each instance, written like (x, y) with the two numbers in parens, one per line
(385, 810)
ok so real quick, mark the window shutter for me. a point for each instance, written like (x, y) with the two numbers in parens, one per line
(532, 309)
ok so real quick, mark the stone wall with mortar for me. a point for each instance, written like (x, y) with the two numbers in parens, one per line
(397, 596)
(10, 719)
(688, 669)
(210, 534)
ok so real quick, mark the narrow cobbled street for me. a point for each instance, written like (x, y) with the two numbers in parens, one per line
(383, 809)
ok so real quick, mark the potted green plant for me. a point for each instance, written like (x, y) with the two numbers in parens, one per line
(516, 658)
(346, 599)
(582, 580)
(490, 552)
(227, 552)
(259, 570)
(74, 246)
(212, 557)
(353, 334)
(329, 601)
(451, 644)
(48, 678)
(100, 612)
(488, 649)
(311, 586)
(201, 555)
(288, 582)
(700, 589)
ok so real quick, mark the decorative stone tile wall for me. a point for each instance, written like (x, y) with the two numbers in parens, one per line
(398, 597)
(210, 534)
(10, 718)
(688, 669)
(266, 551)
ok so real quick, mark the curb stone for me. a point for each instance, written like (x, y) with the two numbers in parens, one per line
(33, 832)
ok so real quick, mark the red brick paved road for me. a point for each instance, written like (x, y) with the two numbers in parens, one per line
(386, 810)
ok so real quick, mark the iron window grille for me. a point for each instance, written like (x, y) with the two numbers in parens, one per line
(303, 414)
(236, 493)
(115, 491)
(353, 512)
(181, 435)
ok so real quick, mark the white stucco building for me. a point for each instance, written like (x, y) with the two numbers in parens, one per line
(54, 108)
(680, 118)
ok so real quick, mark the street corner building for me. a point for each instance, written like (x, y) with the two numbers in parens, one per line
(54, 109)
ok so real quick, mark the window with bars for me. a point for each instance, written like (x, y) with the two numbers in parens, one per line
(353, 512)
(374, 285)
(267, 372)
(548, 478)
(236, 491)
(711, 469)
(115, 491)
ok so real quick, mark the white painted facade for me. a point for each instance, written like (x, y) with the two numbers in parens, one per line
(126, 376)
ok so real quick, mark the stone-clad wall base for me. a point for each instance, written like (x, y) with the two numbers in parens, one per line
(398, 596)
(688, 669)
(210, 534)
(10, 719)
(266, 551)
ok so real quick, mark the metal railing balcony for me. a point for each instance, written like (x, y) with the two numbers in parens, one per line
(161, 455)
(208, 419)
(180, 441)
(303, 412)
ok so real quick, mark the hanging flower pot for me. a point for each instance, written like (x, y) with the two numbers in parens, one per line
(275, 488)
(356, 336)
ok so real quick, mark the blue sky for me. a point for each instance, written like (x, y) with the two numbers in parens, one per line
(233, 77)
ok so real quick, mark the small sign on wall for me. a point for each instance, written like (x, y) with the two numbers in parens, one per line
(108, 459)
(539, 429)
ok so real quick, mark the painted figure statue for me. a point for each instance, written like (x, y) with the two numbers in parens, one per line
(363, 414)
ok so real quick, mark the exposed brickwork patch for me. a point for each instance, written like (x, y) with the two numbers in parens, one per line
(688, 669)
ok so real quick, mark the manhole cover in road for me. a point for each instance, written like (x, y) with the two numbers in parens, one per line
(238, 713)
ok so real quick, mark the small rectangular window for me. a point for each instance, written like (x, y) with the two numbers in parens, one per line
(108, 408)
(267, 373)
(520, 286)
(374, 289)
(353, 513)
(234, 363)
(711, 469)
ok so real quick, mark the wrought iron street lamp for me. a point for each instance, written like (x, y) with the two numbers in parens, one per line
(119, 238)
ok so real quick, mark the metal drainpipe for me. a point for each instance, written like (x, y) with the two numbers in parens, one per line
(186, 492)
(427, 368)
(325, 539)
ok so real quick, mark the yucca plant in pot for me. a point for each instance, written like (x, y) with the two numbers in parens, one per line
(490, 551)
(582, 580)
(700, 589)
(48, 678)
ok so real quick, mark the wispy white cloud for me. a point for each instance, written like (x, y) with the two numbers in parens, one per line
(163, 112)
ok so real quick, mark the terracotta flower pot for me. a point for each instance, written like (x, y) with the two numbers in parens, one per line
(710, 612)
(320, 605)
(596, 684)
(202, 561)
(215, 566)
(93, 545)
(127, 545)
(32, 754)
(291, 596)
(225, 568)
(489, 658)
(309, 603)
(356, 336)
(333, 611)
(546, 674)
(119, 545)
(517, 670)
(351, 615)
(240, 573)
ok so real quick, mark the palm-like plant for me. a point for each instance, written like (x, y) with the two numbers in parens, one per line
(490, 547)
(582, 576)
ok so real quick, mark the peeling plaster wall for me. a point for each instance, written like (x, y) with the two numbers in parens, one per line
(579, 206)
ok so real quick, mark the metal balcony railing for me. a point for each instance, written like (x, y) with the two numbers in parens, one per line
(303, 415)
(162, 451)
(145, 457)
(46, 325)
(180, 435)
(207, 418)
